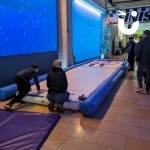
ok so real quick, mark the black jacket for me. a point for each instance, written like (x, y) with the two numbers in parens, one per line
(143, 52)
(57, 81)
(28, 74)
(131, 47)
(136, 48)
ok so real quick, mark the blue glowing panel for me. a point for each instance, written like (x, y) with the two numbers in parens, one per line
(87, 30)
(27, 26)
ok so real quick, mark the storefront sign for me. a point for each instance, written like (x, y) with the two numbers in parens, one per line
(143, 15)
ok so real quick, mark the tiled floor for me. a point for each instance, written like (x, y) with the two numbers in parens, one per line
(121, 123)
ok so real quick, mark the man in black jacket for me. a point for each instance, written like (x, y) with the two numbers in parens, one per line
(130, 50)
(143, 61)
(22, 79)
(57, 86)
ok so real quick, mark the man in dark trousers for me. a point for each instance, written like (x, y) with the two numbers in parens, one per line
(57, 86)
(22, 79)
(131, 53)
(143, 61)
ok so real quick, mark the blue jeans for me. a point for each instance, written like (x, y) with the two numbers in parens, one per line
(59, 98)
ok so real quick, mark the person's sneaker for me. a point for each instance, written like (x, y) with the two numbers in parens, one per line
(147, 93)
(51, 106)
(60, 108)
(7, 106)
(139, 90)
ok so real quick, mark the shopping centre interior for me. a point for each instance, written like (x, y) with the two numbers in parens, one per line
(106, 112)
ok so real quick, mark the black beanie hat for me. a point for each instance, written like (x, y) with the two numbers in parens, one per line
(34, 66)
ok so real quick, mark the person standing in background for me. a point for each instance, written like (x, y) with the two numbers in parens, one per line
(144, 73)
(143, 61)
(136, 46)
(131, 53)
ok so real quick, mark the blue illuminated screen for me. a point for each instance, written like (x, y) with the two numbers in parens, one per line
(27, 26)
(87, 30)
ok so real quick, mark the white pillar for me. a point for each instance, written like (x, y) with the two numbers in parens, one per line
(65, 32)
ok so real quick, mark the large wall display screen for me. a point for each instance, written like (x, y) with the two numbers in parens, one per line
(27, 26)
(87, 23)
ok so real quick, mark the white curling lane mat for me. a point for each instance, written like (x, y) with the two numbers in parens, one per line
(86, 79)
(104, 64)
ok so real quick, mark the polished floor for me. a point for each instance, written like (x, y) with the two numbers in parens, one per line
(121, 123)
